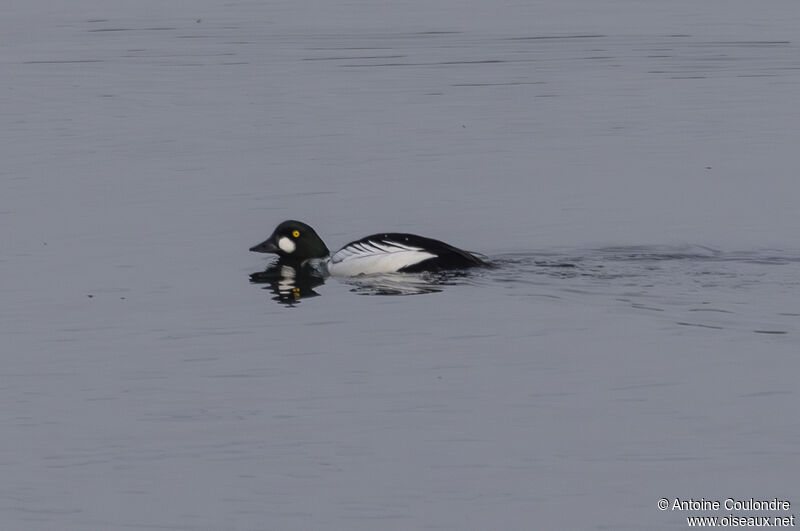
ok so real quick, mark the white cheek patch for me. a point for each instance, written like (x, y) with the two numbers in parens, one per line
(286, 245)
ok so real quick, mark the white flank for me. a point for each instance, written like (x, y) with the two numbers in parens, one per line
(286, 245)
(374, 257)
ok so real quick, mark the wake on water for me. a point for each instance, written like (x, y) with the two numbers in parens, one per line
(689, 285)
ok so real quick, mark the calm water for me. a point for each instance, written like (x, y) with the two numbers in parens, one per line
(630, 169)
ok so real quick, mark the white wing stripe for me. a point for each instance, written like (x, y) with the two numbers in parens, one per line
(371, 257)
(370, 248)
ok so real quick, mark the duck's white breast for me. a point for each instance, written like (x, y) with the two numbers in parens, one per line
(369, 257)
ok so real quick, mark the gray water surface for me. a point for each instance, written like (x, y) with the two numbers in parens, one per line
(630, 167)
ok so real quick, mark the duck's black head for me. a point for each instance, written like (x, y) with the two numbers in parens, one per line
(293, 240)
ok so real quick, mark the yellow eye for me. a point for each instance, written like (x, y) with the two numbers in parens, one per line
(296, 233)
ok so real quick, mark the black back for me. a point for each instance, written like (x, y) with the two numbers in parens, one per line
(447, 256)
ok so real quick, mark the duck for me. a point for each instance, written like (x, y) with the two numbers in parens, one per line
(297, 243)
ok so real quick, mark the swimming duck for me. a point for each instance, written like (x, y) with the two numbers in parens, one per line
(296, 242)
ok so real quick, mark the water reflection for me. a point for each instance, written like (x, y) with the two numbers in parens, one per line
(406, 283)
(290, 282)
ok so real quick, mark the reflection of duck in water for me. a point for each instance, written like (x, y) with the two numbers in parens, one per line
(304, 261)
(289, 281)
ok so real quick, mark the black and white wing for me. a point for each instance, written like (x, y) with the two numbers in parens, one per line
(376, 254)
(398, 253)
